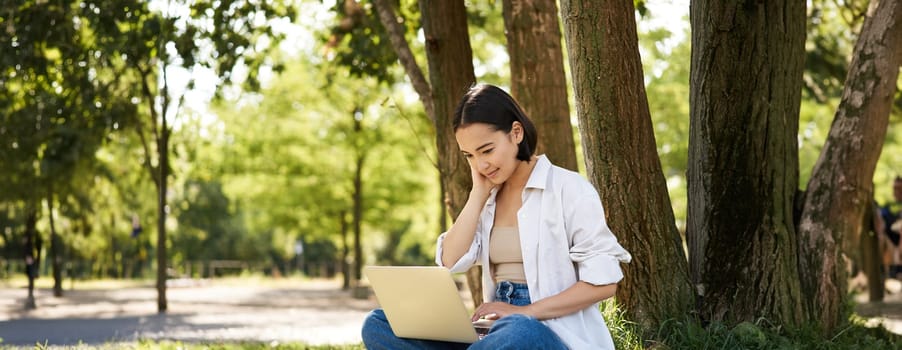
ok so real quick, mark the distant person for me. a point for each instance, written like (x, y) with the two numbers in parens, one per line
(892, 227)
(539, 231)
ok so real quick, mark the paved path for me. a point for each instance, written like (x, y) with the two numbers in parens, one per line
(887, 313)
(313, 312)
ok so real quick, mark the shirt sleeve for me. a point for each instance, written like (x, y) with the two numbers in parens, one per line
(594, 249)
(466, 261)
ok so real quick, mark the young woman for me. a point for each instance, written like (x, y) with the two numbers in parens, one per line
(539, 232)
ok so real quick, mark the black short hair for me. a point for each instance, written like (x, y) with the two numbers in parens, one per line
(489, 104)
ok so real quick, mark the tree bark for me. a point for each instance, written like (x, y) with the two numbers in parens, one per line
(451, 74)
(745, 92)
(838, 192)
(621, 159)
(538, 82)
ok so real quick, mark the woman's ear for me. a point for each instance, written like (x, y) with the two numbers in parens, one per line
(517, 132)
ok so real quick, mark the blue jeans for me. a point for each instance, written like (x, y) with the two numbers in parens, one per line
(511, 332)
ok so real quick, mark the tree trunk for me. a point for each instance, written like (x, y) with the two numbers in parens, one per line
(56, 247)
(745, 92)
(345, 251)
(32, 254)
(871, 257)
(163, 168)
(841, 181)
(395, 32)
(358, 217)
(451, 74)
(621, 158)
(538, 82)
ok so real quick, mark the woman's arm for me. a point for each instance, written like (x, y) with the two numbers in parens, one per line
(460, 236)
(579, 296)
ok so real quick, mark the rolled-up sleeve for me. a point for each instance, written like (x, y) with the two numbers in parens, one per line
(466, 261)
(594, 249)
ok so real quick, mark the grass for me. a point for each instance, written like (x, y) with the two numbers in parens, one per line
(690, 334)
(179, 345)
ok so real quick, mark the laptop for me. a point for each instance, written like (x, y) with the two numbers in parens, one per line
(422, 302)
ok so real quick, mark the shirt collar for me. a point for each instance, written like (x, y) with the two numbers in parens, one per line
(539, 174)
(536, 178)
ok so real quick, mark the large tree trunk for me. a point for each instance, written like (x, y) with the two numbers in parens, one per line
(841, 181)
(451, 74)
(745, 92)
(537, 75)
(621, 158)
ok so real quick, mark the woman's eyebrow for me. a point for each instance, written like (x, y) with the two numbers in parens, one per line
(484, 146)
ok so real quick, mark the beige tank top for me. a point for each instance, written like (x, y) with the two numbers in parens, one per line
(505, 255)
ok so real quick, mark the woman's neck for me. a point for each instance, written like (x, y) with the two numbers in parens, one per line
(521, 175)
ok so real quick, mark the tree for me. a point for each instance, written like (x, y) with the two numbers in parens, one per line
(840, 188)
(56, 111)
(538, 81)
(621, 158)
(217, 36)
(745, 84)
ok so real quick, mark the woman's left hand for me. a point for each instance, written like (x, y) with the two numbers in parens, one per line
(496, 310)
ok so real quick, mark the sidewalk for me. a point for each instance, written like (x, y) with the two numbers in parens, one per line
(312, 312)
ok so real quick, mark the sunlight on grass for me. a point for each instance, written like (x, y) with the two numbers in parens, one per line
(178, 345)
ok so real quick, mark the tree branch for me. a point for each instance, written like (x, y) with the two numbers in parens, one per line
(402, 49)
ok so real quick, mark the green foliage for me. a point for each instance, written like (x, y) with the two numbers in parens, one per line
(689, 334)
(359, 42)
(665, 63)
(288, 173)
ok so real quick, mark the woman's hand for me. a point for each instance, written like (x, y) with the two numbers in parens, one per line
(482, 186)
(496, 310)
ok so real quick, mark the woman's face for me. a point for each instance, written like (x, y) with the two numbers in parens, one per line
(493, 153)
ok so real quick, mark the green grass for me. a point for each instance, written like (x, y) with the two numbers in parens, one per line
(690, 334)
(178, 345)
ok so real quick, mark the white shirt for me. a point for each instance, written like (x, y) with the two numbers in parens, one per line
(564, 238)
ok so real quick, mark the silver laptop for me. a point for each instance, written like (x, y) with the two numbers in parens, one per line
(422, 302)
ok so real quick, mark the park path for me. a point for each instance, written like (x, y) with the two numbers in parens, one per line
(309, 311)
(313, 312)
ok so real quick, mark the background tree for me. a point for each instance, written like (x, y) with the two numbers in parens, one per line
(214, 36)
(840, 188)
(621, 160)
(57, 113)
(538, 82)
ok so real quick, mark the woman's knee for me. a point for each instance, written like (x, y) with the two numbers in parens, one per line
(374, 323)
(518, 331)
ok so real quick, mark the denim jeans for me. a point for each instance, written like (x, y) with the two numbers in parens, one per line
(511, 332)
